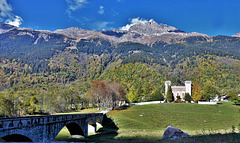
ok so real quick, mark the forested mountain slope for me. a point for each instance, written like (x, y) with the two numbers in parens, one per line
(37, 64)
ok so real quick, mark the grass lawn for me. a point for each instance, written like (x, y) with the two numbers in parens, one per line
(146, 123)
(188, 117)
(90, 110)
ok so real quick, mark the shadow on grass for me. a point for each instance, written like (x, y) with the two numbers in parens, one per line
(219, 138)
(124, 107)
(104, 134)
(109, 132)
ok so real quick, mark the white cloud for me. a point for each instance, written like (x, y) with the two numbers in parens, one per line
(15, 22)
(7, 16)
(101, 10)
(135, 21)
(101, 25)
(5, 9)
(75, 4)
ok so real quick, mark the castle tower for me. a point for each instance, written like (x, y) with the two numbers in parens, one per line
(188, 87)
(167, 83)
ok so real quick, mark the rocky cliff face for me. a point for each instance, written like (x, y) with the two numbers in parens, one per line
(145, 33)
(151, 28)
(5, 28)
(148, 33)
(74, 32)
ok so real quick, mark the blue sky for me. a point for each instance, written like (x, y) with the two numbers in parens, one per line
(212, 17)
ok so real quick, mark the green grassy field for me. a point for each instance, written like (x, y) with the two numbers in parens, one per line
(146, 123)
(90, 110)
(188, 117)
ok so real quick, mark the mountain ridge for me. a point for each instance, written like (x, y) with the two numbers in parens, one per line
(155, 40)
(145, 33)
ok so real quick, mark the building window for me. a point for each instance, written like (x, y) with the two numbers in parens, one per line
(182, 94)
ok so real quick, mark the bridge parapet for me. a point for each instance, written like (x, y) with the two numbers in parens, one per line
(20, 122)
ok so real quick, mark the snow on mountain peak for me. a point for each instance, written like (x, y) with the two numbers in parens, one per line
(135, 21)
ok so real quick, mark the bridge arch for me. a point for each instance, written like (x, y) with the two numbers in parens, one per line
(99, 120)
(91, 122)
(16, 138)
(74, 128)
(17, 135)
(94, 124)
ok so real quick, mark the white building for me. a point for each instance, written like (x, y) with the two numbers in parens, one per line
(179, 90)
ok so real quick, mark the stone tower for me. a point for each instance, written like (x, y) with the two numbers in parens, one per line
(188, 87)
(167, 83)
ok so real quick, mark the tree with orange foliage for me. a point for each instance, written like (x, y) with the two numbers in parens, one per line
(196, 92)
(117, 93)
(106, 94)
(99, 91)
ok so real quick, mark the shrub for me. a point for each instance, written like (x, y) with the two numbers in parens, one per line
(188, 97)
(234, 97)
(178, 97)
(157, 96)
(178, 101)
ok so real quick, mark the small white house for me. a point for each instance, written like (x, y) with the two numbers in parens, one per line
(223, 98)
(215, 99)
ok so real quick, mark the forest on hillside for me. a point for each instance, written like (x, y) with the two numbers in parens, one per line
(64, 80)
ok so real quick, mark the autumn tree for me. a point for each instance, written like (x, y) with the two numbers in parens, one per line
(196, 92)
(169, 96)
(131, 95)
(117, 93)
(99, 91)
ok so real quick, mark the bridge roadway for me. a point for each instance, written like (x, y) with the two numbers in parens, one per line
(46, 128)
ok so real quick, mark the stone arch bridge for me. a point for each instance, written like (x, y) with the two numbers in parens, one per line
(46, 128)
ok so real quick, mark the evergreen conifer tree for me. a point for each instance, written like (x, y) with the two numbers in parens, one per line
(188, 97)
(169, 96)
